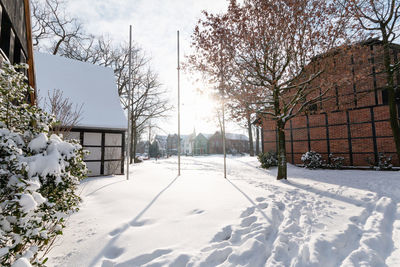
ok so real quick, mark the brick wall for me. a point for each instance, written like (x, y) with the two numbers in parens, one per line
(353, 124)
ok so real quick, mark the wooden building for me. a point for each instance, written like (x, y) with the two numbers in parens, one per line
(16, 36)
(354, 123)
(102, 127)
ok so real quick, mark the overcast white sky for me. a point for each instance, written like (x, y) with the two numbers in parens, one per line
(155, 23)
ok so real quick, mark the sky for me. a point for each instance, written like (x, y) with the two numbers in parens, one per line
(155, 24)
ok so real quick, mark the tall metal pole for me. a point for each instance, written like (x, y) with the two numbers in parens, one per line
(179, 112)
(223, 110)
(128, 150)
(223, 128)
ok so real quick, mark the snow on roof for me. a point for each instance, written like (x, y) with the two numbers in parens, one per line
(232, 136)
(83, 83)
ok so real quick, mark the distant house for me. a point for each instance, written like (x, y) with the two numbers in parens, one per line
(102, 128)
(235, 143)
(187, 144)
(142, 147)
(162, 144)
(172, 144)
(201, 144)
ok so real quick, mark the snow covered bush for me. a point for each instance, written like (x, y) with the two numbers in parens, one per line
(268, 160)
(312, 160)
(336, 162)
(384, 162)
(39, 174)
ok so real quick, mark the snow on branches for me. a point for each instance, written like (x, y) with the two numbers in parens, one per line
(39, 174)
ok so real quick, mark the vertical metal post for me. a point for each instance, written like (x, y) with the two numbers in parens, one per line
(223, 107)
(128, 150)
(179, 113)
(223, 134)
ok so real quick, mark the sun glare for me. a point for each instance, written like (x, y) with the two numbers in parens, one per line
(199, 112)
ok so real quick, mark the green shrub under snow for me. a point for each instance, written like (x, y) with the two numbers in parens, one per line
(268, 160)
(39, 174)
(312, 160)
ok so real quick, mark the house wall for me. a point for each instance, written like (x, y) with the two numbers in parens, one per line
(354, 123)
(232, 146)
(201, 145)
(239, 146)
(172, 144)
(215, 144)
(106, 149)
(15, 36)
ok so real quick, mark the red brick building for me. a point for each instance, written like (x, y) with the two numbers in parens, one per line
(354, 122)
(235, 143)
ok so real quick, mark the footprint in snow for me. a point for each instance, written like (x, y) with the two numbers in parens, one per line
(260, 199)
(217, 257)
(181, 261)
(113, 252)
(263, 205)
(225, 234)
(196, 211)
(248, 221)
(247, 212)
(280, 205)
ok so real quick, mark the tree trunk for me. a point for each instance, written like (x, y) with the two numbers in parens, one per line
(257, 141)
(282, 163)
(250, 135)
(394, 121)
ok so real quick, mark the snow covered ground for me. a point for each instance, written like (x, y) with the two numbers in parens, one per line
(316, 218)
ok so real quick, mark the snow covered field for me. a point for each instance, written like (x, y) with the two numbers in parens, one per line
(316, 218)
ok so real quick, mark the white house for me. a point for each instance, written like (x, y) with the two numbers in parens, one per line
(187, 144)
(102, 127)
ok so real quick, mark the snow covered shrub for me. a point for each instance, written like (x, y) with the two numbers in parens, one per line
(268, 160)
(384, 162)
(39, 174)
(312, 160)
(336, 162)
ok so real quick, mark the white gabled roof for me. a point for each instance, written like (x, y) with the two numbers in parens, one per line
(82, 82)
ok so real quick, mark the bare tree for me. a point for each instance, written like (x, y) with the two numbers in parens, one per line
(148, 102)
(67, 114)
(271, 43)
(55, 31)
(52, 28)
(381, 18)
